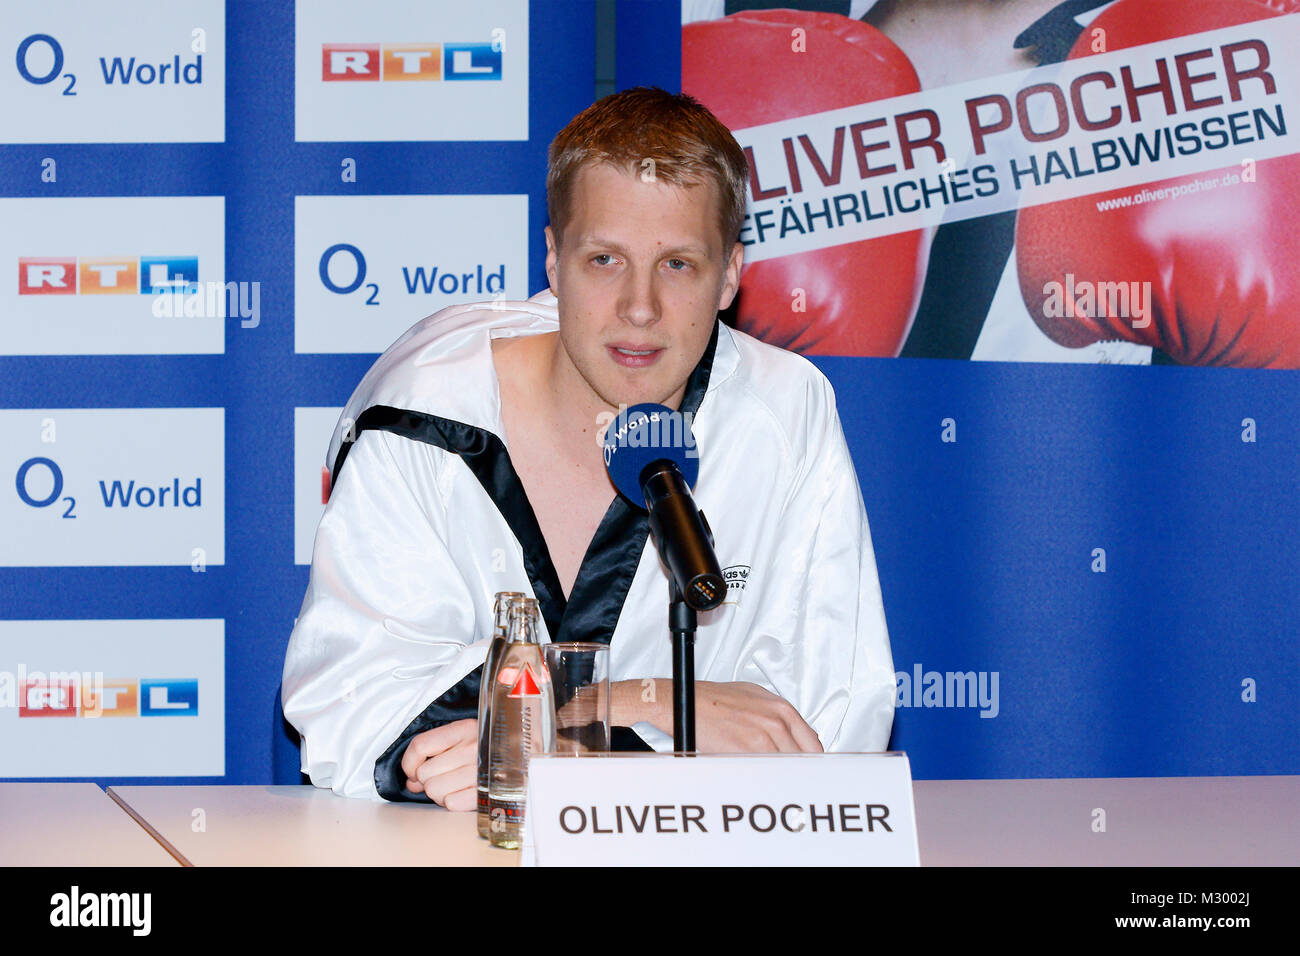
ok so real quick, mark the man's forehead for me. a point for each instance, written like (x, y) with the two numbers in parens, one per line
(706, 198)
(632, 175)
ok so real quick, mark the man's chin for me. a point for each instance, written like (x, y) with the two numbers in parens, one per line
(619, 394)
(618, 387)
(625, 399)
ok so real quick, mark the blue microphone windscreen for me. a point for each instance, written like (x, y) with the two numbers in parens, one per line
(645, 433)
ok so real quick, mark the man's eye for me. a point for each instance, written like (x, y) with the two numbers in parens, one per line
(604, 255)
(678, 265)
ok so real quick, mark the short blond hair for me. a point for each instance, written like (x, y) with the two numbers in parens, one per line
(686, 142)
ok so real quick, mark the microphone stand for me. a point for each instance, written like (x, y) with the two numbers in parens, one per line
(672, 512)
(681, 622)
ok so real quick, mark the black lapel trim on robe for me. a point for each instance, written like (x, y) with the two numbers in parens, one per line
(604, 578)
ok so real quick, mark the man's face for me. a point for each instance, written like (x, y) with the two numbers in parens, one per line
(640, 279)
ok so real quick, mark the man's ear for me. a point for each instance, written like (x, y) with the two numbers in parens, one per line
(552, 254)
(731, 276)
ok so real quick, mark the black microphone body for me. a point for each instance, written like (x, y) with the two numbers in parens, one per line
(682, 535)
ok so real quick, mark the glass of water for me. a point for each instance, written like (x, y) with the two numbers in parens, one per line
(580, 677)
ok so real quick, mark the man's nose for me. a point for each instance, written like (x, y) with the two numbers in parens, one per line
(639, 300)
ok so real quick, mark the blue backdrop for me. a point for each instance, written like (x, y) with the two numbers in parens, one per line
(1181, 657)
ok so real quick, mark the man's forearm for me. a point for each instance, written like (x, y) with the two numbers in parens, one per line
(648, 699)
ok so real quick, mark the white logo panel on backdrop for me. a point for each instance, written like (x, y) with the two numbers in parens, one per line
(367, 268)
(103, 276)
(112, 486)
(312, 430)
(134, 71)
(387, 71)
(112, 698)
(720, 809)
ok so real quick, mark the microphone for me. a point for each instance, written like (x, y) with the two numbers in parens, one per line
(651, 458)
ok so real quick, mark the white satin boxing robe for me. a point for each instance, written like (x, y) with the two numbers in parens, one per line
(427, 520)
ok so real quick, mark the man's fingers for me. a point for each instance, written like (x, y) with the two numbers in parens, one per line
(804, 736)
(461, 778)
(466, 729)
(462, 800)
(431, 742)
(418, 749)
(462, 755)
(414, 786)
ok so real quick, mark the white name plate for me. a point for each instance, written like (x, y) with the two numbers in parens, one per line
(629, 809)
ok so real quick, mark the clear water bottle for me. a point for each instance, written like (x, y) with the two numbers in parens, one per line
(522, 723)
(500, 612)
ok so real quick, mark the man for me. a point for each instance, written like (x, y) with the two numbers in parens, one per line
(474, 465)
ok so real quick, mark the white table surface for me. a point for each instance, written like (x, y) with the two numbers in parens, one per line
(305, 826)
(71, 824)
(1150, 821)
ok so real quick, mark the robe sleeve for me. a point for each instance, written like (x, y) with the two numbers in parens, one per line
(391, 635)
(819, 638)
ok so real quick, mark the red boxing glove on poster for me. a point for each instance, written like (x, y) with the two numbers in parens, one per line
(1223, 265)
(754, 68)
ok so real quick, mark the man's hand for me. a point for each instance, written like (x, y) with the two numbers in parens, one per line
(738, 717)
(443, 764)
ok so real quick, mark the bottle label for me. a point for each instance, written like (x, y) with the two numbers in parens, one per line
(506, 813)
(525, 683)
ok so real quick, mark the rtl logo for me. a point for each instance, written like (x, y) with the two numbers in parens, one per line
(118, 275)
(372, 62)
(69, 696)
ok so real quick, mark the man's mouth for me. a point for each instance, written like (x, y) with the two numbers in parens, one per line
(634, 355)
